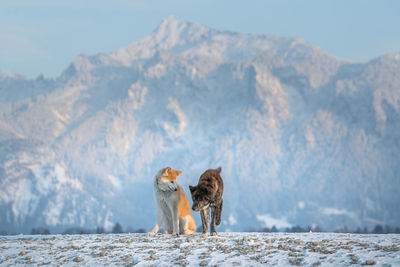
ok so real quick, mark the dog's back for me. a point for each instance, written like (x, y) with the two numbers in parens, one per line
(212, 181)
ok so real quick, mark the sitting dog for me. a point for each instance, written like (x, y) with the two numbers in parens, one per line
(208, 194)
(173, 207)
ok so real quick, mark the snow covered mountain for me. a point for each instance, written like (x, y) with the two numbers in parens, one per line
(303, 138)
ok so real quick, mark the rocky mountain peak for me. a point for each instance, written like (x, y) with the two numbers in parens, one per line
(292, 127)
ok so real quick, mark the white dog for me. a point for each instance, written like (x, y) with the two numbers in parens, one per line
(173, 208)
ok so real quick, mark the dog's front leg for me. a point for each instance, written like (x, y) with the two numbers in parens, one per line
(205, 220)
(168, 219)
(159, 221)
(213, 219)
(175, 220)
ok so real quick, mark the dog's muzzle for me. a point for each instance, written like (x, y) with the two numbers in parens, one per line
(195, 208)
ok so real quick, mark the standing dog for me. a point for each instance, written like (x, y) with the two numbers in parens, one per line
(208, 194)
(173, 207)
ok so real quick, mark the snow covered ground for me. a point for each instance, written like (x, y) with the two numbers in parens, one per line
(226, 249)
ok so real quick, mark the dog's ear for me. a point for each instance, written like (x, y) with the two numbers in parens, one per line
(167, 170)
(178, 172)
(218, 170)
(192, 188)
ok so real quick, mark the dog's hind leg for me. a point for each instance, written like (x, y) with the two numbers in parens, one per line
(188, 226)
(159, 221)
(205, 220)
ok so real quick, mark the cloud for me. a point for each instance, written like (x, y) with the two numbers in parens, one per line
(270, 221)
(331, 211)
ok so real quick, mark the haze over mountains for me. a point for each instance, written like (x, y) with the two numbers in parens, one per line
(303, 138)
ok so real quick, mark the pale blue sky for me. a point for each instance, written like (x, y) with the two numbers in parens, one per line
(44, 36)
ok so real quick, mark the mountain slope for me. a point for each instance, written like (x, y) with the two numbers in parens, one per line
(303, 138)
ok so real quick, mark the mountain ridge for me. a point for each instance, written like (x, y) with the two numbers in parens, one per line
(303, 137)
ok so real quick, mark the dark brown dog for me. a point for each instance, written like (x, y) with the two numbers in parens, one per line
(208, 194)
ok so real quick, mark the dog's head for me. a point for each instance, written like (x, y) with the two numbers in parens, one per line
(200, 197)
(166, 179)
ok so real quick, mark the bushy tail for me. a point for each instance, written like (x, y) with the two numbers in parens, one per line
(219, 211)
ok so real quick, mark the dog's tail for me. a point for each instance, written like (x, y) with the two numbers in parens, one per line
(219, 210)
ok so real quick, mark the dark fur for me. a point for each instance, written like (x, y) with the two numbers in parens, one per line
(208, 194)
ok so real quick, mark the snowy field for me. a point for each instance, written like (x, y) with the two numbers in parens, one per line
(226, 249)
